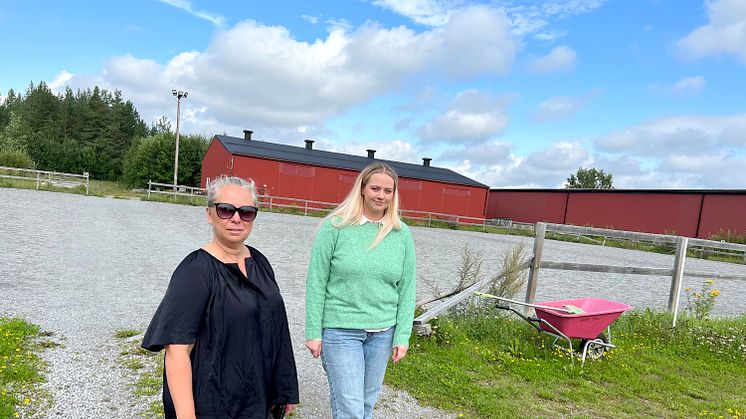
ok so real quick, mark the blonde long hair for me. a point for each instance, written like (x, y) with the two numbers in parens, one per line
(350, 211)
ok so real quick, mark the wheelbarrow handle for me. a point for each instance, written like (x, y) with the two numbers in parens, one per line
(484, 294)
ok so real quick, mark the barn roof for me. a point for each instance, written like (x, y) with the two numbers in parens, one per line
(288, 153)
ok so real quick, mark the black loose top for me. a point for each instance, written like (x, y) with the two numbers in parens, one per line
(242, 360)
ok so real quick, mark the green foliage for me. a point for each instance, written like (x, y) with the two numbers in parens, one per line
(15, 157)
(489, 364)
(700, 303)
(152, 158)
(144, 370)
(20, 369)
(72, 132)
(590, 179)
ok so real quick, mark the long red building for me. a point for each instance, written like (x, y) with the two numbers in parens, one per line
(317, 175)
(691, 213)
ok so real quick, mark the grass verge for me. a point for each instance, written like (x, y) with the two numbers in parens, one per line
(144, 369)
(22, 369)
(495, 365)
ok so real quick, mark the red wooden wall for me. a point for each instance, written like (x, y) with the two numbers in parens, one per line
(686, 213)
(315, 183)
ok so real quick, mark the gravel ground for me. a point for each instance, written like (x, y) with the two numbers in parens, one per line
(86, 267)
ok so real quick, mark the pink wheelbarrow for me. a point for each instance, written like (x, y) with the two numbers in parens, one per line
(581, 318)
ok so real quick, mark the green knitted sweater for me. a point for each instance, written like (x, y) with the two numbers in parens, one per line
(351, 287)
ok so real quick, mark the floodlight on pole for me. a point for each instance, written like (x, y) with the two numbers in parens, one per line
(179, 95)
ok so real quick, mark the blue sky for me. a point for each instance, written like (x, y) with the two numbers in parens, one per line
(511, 93)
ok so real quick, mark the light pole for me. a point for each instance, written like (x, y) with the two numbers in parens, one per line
(179, 94)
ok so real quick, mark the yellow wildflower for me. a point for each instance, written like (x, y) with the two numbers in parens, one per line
(26, 400)
(715, 293)
(709, 282)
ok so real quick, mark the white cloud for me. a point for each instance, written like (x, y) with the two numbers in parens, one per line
(425, 12)
(725, 33)
(687, 86)
(560, 107)
(536, 18)
(387, 150)
(559, 59)
(472, 117)
(487, 154)
(253, 75)
(60, 81)
(310, 19)
(691, 85)
(685, 135)
(186, 5)
(548, 167)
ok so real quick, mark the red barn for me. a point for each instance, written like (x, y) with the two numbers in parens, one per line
(305, 173)
(691, 213)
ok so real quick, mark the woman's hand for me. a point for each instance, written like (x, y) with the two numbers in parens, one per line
(399, 353)
(314, 346)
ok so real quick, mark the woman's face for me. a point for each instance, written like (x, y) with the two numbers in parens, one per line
(377, 195)
(232, 231)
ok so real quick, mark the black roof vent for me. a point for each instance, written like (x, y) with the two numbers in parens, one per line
(426, 161)
(371, 153)
(309, 144)
(247, 134)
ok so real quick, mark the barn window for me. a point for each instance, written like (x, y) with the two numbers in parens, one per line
(458, 192)
(410, 185)
(290, 169)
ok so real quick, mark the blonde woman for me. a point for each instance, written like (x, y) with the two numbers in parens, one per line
(223, 324)
(360, 292)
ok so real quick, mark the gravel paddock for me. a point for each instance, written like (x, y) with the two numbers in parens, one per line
(85, 267)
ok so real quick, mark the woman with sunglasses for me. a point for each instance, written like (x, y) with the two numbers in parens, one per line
(360, 292)
(223, 324)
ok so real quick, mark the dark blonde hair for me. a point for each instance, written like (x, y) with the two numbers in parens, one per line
(350, 211)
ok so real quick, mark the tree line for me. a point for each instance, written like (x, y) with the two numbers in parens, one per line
(94, 131)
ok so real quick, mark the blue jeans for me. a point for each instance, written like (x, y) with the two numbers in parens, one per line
(355, 363)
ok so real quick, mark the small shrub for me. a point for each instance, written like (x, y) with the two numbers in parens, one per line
(700, 303)
(16, 157)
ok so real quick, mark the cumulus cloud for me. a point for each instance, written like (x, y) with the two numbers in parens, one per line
(725, 33)
(254, 75)
(560, 107)
(310, 19)
(685, 135)
(559, 59)
(472, 117)
(548, 167)
(387, 150)
(488, 154)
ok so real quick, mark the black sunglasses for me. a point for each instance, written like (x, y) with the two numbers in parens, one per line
(227, 211)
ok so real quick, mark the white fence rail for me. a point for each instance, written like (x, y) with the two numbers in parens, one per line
(42, 177)
(535, 263)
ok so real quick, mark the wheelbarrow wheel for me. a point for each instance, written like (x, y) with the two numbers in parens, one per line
(596, 349)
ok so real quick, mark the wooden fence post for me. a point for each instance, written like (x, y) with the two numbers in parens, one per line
(533, 273)
(678, 274)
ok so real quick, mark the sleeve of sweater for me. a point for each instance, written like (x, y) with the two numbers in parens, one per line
(407, 292)
(318, 275)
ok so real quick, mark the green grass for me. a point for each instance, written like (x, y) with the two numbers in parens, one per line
(22, 369)
(496, 365)
(144, 369)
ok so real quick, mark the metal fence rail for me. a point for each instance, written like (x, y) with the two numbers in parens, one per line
(41, 177)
